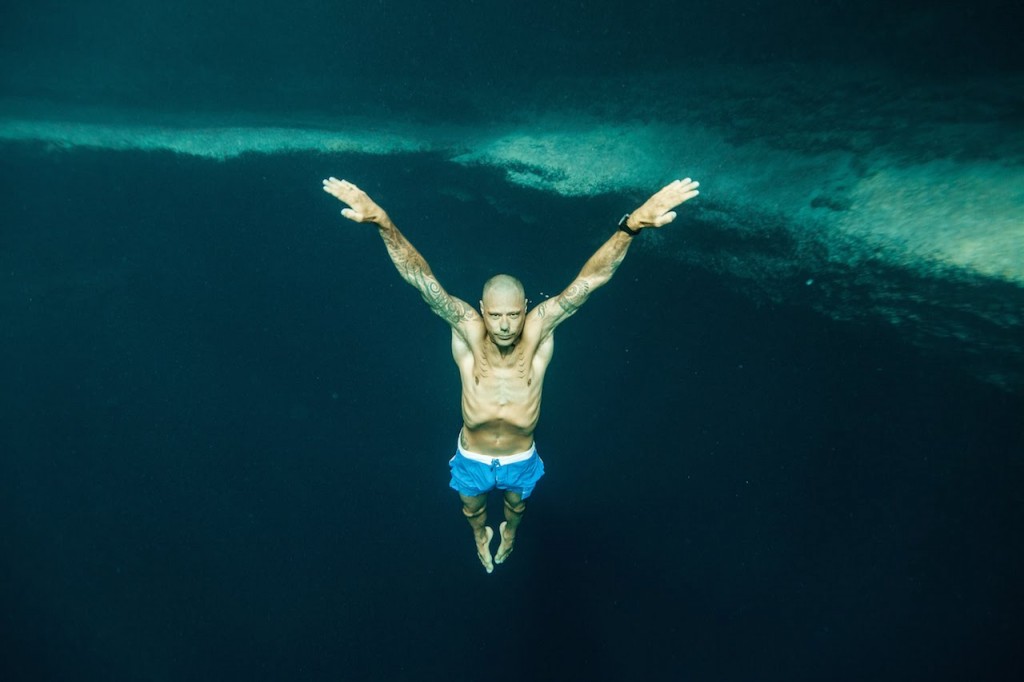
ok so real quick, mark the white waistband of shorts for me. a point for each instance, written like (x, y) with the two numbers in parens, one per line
(504, 459)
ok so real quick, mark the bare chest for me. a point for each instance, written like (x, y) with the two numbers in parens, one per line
(502, 380)
(501, 388)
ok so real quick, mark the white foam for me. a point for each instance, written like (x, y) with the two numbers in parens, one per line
(955, 213)
(213, 141)
(585, 158)
(964, 215)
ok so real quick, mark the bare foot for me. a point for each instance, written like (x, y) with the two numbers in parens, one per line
(483, 548)
(505, 548)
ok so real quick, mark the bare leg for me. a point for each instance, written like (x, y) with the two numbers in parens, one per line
(514, 508)
(475, 511)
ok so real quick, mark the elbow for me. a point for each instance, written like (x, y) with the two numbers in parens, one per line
(599, 280)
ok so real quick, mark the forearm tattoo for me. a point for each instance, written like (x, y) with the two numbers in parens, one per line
(414, 269)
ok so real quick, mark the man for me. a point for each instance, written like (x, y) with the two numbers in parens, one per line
(502, 354)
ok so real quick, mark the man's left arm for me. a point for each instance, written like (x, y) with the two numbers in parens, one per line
(655, 212)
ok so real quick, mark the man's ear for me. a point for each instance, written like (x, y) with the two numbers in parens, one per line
(481, 306)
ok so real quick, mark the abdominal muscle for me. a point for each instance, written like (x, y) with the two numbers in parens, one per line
(500, 400)
(500, 414)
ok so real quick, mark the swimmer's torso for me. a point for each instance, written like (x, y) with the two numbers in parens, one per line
(501, 395)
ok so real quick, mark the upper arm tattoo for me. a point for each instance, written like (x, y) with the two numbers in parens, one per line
(450, 309)
(595, 273)
(414, 269)
(569, 301)
(574, 296)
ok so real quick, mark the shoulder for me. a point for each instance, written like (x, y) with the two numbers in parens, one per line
(540, 311)
(467, 335)
(542, 320)
(537, 334)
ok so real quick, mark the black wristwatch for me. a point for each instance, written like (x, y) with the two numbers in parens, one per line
(625, 228)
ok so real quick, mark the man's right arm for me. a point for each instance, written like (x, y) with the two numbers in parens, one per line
(408, 261)
(414, 269)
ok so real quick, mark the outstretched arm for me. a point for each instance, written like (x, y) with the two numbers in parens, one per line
(410, 264)
(655, 212)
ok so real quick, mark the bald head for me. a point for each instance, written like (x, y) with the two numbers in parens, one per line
(504, 285)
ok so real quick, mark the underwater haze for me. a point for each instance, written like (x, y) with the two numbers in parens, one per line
(786, 441)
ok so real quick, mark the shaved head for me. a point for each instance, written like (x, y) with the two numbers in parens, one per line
(504, 284)
(503, 308)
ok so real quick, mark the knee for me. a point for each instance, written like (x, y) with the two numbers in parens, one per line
(516, 507)
(471, 511)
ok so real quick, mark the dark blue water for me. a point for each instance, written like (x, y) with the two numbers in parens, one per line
(225, 421)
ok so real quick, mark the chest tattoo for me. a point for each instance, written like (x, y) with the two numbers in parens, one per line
(520, 365)
(521, 368)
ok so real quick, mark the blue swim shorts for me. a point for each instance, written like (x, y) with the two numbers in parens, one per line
(474, 474)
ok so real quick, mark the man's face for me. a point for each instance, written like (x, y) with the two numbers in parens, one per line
(504, 312)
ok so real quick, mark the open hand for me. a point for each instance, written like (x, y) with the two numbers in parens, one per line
(363, 209)
(657, 211)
